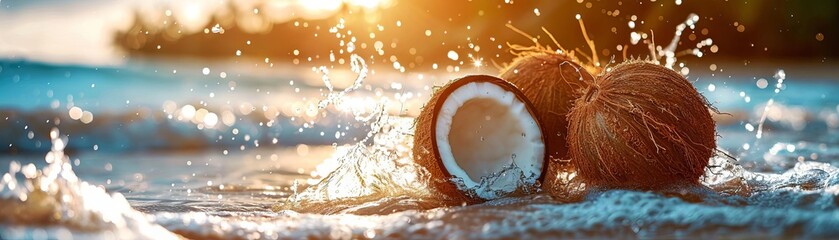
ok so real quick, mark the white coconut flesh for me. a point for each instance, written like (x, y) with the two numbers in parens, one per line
(481, 130)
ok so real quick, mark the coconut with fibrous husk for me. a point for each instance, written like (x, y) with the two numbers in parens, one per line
(641, 126)
(552, 78)
(551, 81)
(479, 140)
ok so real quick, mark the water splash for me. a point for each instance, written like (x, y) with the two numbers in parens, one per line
(55, 196)
(670, 53)
(378, 166)
(358, 66)
(780, 76)
(728, 178)
(492, 186)
(725, 176)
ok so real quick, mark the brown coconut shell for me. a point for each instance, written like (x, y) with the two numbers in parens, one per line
(425, 150)
(641, 126)
(551, 81)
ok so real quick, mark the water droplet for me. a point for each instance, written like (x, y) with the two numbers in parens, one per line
(634, 38)
(453, 55)
(218, 29)
(350, 47)
(762, 83)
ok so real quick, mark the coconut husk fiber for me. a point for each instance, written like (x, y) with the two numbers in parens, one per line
(640, 126)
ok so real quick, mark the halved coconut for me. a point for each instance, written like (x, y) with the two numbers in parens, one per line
(480, 129)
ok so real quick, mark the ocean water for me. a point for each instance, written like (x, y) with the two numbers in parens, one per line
(162, 150)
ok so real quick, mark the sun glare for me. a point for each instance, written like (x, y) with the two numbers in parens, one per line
(477, 62)
(316, 5)
(332, 5)
(369, 4)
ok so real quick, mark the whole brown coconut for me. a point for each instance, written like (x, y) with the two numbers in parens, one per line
(551, 81)
(470, 134)
(641, 126)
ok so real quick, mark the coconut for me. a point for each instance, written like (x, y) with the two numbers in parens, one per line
(479, 140)
(551, 81)
(641, 126)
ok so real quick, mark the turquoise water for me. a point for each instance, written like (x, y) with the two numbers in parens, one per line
(200, 178)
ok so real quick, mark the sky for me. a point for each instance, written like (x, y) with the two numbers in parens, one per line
(61, 31)
(81, 31)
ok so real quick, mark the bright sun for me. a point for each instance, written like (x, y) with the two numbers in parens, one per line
(369, 4)
(336, 4)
